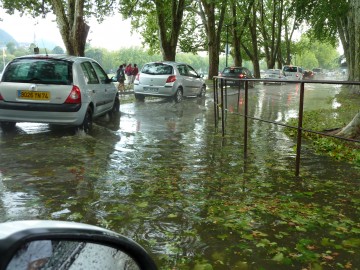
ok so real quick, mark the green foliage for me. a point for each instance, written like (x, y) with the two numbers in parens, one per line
(311, 53)
(323, 16)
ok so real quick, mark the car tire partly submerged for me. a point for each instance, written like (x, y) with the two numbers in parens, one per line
(7, 126)
(139, 97)
(86, 125)
(202, 91)
(116, 106)
(178, 95)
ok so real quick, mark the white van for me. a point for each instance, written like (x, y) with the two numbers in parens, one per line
(293, 72)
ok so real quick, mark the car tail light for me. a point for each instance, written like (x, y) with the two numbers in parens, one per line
(137, 77)
(241, 76)
(74, 96)
(171, 79)
(1, 98)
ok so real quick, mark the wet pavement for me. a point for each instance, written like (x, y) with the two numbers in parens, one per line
(160, 173)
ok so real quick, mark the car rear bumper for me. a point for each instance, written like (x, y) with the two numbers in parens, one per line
(160, 91)
(64, 114)
(19, 106)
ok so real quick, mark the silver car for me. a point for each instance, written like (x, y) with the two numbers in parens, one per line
(168, 79)
(274, 74)
(55, 89)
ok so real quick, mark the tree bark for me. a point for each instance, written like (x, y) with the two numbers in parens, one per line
(213, 28)
(349, 32)
(352, 130)
(169, 36)
(72, 26)
(236, 38)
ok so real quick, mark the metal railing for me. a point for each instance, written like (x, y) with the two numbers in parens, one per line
(220, 109)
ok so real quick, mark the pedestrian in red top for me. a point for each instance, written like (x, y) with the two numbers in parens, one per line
(134, 72)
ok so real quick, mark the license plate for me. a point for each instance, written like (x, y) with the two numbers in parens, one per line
(151, 89)
(23, 94)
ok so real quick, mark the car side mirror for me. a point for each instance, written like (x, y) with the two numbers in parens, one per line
(68, 245)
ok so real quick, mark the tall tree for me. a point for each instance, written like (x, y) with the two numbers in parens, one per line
(330, 19)
(212, 14)
(271, 18)
(71, 16)
(160, 22)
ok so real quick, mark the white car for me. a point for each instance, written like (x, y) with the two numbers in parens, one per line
(293, 72)
(55, 89)
(274, 74)
(168, 79)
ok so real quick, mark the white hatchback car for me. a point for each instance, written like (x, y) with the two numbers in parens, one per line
(274, 74)
(55, 89)
(168, 79)
(293, 72)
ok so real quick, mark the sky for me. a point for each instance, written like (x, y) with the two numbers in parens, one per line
(113, 33)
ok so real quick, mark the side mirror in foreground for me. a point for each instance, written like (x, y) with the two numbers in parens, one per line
(38, 244)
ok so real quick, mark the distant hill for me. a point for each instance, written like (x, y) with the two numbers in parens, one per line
(5, 38)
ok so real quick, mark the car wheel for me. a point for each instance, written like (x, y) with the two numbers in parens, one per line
(202, 91)
(139, 97)
(7, 125)
(86, 125)
(116, 106)
(178, 95)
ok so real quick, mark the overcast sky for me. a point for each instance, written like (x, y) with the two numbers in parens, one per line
(112, 34)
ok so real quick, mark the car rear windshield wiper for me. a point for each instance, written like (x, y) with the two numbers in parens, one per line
(35, 80)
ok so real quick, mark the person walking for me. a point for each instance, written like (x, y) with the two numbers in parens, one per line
(120, 77)
(128, 71)
(134, 72)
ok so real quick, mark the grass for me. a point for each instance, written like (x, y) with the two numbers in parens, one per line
(328, 120)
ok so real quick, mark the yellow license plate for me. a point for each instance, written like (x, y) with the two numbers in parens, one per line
(22, 94)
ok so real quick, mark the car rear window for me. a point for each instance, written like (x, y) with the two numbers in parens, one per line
(41, 71)
(233, 71)
(157, 69)
(290, 69)
(277, 72)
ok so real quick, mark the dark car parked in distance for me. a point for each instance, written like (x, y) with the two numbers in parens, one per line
(237, 73)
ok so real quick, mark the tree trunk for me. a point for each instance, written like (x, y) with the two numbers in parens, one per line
(236, 38)
(213, 19)
(169, 34)
(352, 130)
(349, 32)
(73, 29)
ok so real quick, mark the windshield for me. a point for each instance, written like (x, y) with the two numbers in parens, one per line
(157, 69)
(232, 71)
(42, 71)
(272, 72)
(290, 69)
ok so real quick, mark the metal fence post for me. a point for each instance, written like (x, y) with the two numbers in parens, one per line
(246, 119)
(299, 128)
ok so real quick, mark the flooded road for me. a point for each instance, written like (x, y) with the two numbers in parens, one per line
(161, 174)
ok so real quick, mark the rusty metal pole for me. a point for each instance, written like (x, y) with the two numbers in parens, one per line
(222, 108)
(299, 129)
(246, 119)
(215, 88)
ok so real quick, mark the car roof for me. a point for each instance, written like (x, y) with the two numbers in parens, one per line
(173, 63)
(64, 57)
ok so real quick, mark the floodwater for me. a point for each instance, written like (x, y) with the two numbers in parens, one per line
(161, 174)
